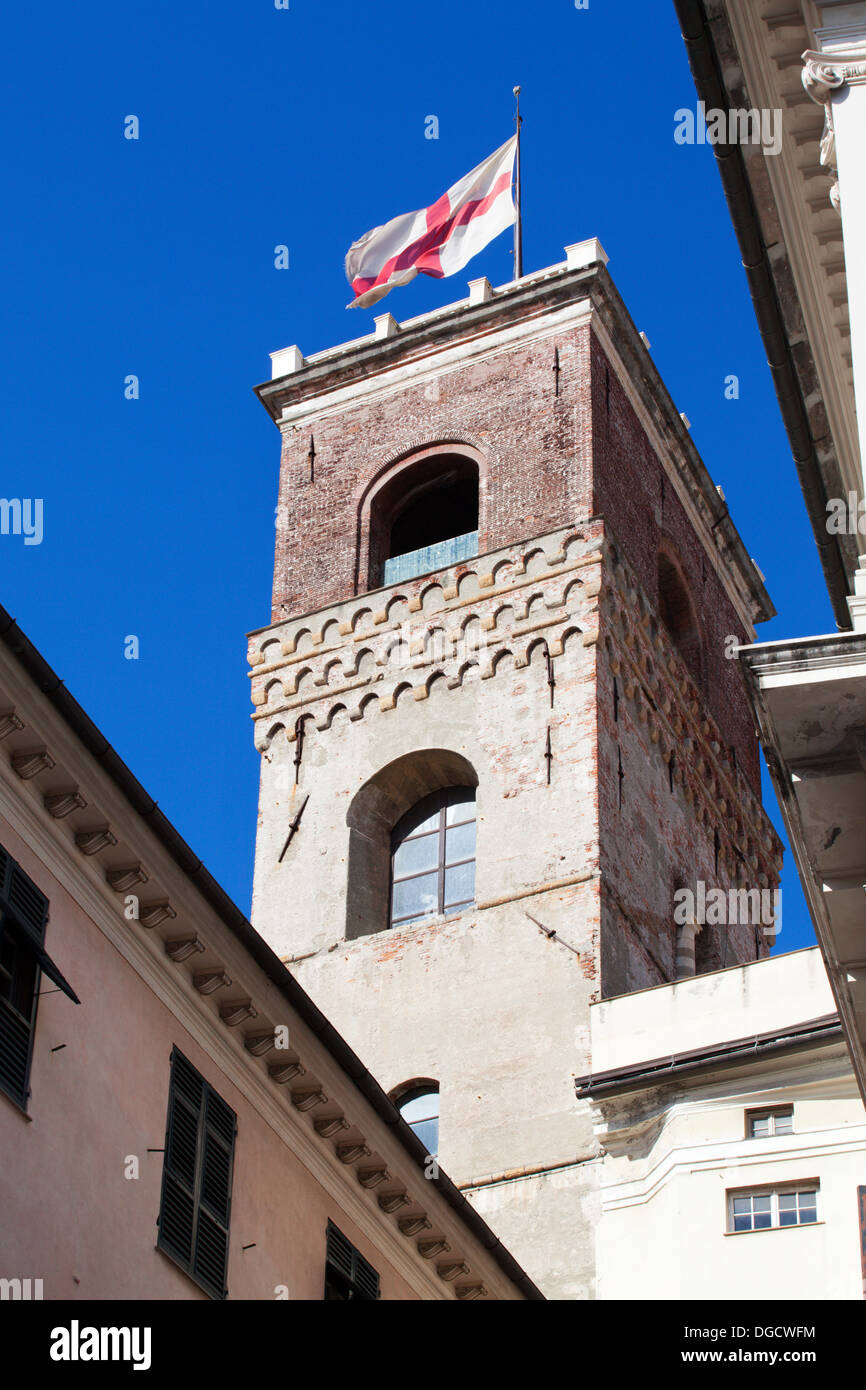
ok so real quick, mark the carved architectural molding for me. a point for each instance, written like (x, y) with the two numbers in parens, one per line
(358, 657)
(823, 75)
(237, 1011)
(9, 723)
(181, 948)
(329, 1125)
(60, 804)
(153, 914)
(121, 880)
(259, 1044)
(282, 1072)
(96, 840)
(30, 764)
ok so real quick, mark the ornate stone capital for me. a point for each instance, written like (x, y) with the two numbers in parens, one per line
(825, 73)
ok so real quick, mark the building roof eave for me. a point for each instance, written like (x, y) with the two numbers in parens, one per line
(758, 264)
(817, 1032)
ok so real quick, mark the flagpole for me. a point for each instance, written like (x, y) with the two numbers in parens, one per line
(518, 221)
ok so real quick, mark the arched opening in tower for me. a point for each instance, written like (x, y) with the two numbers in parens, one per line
(424, 519)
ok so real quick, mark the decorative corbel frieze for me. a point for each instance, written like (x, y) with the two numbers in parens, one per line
(9, 723)
(371, 1177)
(237, 1011)
(209, 981)
(393, 1201)
(152, 914)
(350, 1153)
(429, 1249)
(96, 840)
(60, 804)
(327, 1126)
(470, 1291)
(121, 880)
(258, 1044)
(182, 947)
(282, 1072)
(30, 764)
(449, 1272)
(411, 1225)
(307, 1099)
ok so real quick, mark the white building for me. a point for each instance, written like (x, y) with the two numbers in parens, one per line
(800, 218)
(733, 1138)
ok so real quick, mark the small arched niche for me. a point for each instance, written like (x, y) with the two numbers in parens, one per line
(423, 515)
(678, 614)
(383, 803)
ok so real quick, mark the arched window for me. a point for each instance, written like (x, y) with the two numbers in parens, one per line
(433, 857)
(424, 516)
(390, 808)
(419, 1107)
(677, 612)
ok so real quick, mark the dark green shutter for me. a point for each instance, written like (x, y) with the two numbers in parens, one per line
(347, 1269)
(23, 915)
(197, 1178)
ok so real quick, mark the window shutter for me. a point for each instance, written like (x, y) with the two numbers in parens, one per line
(23, 915)
(29, 905)
(212, 1232)
(366, 1278)
(343, 1259)
(340, 1251)
(177, 1217)
(15, 1039)
(197, 1178)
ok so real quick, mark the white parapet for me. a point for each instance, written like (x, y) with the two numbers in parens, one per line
(287, 360)
(584, 253)
(386, 326)
(480, 291)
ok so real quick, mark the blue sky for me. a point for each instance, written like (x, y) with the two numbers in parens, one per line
(155, 257)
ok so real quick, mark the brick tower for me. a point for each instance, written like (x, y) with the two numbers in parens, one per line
(498, 720)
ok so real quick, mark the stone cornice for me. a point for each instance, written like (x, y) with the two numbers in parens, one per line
(85, 879)
(537, 595)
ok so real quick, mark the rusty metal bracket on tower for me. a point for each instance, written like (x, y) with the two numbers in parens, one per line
(294, 825)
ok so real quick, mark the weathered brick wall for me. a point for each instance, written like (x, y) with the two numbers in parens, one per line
(673, 806)
(537, 444)
(644, 512)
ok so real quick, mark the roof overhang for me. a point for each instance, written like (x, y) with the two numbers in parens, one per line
(746, 55)
(809, 696)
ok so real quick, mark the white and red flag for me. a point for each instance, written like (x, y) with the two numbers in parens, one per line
(438, 240)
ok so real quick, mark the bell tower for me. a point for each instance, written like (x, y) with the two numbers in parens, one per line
(499, 721)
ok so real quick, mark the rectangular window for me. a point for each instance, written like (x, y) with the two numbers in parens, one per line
(23, 961)
(765, 1124)
(769, 1209)
(195, 1207)
(347, 1273)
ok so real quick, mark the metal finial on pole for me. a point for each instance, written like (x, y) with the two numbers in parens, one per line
(518, 221)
